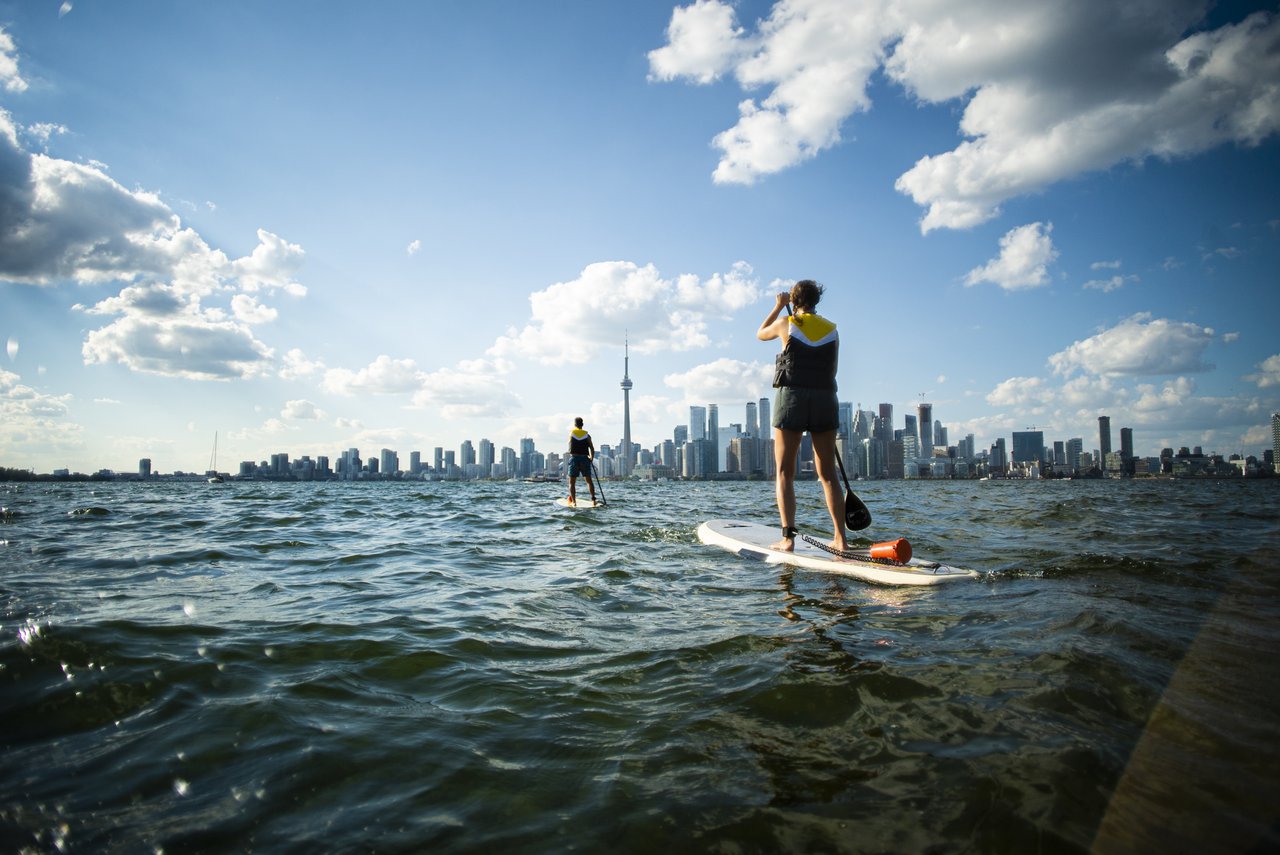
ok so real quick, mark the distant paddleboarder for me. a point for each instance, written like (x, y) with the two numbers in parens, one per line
(806, 401)
(581, 452)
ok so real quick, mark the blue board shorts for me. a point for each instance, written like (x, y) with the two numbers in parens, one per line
(812, 410)
(579, 464)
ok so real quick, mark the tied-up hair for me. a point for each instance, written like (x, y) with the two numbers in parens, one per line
(805, 294)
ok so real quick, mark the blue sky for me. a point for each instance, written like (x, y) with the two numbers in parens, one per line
(310, 226)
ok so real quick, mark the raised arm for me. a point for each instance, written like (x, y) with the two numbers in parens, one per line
(775, 325)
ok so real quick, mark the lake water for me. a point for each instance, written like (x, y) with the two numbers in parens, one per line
(465, 668)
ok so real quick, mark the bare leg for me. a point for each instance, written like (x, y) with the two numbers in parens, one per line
(573, 489)
(786, 448)
(592, 485)
(824, 450)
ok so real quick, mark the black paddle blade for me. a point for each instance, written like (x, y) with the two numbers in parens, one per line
(856, 515)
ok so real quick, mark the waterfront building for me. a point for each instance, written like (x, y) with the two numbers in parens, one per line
(1126, 450)
(886, 422)
(1104, 436)
(999, 458)
(1075, 448)
(862, 419)
(741, 456)
(1275, 442)
(845, 420)
(1028, 446)
(895, 460)
(349, 464)
(753, 422)
(926, 428)
(144, 468)
(697, 423)
(390, 462)
(766, 424)
(527, 452)
(713, 435)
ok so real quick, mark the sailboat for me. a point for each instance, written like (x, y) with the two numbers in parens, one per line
(214, 477)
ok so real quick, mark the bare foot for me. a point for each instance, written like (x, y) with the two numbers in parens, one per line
(787, 544)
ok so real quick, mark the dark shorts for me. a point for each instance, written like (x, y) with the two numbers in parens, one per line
(813, 410)
(579, 464)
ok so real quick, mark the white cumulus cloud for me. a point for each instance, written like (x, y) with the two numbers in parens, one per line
(10, 78)
(723, 380)
(1138, 346)
(703, 42)
(1050, 90)
(301, 409)
(383, 376)
(183, 308)
(1025, 255)
(611, 300)
(1268, 372)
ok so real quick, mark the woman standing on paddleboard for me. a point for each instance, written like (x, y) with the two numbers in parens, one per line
(806, 401)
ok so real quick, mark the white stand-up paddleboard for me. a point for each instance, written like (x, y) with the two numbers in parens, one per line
(751, 540)
(584, 503)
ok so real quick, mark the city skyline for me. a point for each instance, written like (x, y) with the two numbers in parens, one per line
(1025, 213)
(703, 424)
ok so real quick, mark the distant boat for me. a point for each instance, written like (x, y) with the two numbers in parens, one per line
(214, 478)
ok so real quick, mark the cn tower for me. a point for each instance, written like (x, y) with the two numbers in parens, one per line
(626, 409)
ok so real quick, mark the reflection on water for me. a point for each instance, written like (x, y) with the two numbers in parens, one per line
(464, 667)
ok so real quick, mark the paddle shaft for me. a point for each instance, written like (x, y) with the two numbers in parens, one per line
(599, 483)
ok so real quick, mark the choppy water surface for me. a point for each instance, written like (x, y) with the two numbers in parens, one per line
(464, 667)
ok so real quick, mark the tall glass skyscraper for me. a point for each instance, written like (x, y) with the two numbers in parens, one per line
(926, 429)
(1275, 441)
(713, 435)
(697, 423)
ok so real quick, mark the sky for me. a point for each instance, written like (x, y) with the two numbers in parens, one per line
(311, 226)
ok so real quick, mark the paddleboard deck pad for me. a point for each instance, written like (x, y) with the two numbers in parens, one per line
(584, 503)
(751, 540)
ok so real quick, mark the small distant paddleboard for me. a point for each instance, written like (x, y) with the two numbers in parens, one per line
(584, 503)
(751, 540)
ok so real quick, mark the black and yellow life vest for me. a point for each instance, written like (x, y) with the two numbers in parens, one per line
(811, 355)
(579, 442)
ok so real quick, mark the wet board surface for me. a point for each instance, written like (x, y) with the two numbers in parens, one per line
(751, 540)
(584, 503)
